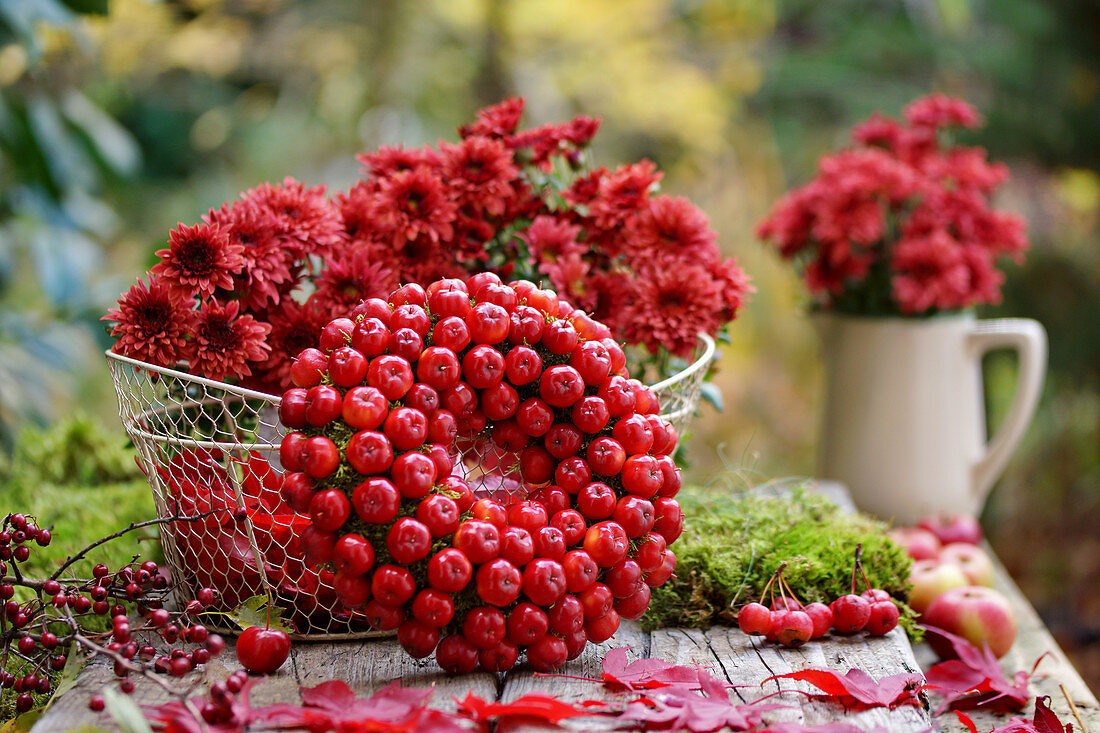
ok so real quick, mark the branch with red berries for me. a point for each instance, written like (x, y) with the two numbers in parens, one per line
(46, 620)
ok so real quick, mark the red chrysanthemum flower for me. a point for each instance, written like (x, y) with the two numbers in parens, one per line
(673, 301)
(497, 120)
(306, 223)
(939, 110)
(294, 327)
(673, 225)
(607, 295)
(584, 189)
(549, 237)
(224, 343)
(931, 273)
(623, 193)
(836, 264)
(151, 323)
(199, 259)
(348, 278)
(481, 172)
(387, 160)
(271, 269)
(355, 211)
(734, 286)
(412, 205)
(878, 130)
(568, 275)
(471, 234)
(580, 130)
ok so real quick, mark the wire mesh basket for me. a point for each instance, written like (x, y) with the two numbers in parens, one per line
(210, 448)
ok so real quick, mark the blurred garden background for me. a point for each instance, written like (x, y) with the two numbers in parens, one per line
(118, 119)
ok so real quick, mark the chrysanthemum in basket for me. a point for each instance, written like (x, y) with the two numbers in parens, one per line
(228, 299)
(901, 223)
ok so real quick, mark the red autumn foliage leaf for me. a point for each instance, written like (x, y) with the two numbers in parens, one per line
(856, 689)
(330, 706)
(618, 673)
(1044, 721)
(679, 708)
(534, 706)
(976, 679)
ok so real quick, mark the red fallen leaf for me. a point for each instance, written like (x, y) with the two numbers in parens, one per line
(1044, 721)
(330, 706)
(640, 674)
(679, 707)
(541, 707)
(976, 679)
(965, 720)
(857, 689)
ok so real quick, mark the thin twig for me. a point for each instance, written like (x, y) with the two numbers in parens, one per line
(1073, 708)
(130, 528)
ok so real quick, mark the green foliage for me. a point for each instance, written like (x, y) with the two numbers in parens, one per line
(83, 483)
(730, 549)
(259, 611)
(58, 151)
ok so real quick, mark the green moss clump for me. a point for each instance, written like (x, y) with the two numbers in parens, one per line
(81, 481)
(728, 552)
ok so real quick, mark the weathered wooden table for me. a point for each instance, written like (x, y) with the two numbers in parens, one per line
(744, 661)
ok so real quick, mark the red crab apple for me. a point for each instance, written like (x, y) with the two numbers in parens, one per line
(918, 542)
(979, 615)
(931, 578)
(975, 563)
(262, 651)
(953, 528)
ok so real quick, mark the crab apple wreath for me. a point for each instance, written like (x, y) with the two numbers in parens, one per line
(481, 570)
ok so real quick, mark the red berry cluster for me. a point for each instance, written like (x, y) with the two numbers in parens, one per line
(478, 577)
(790, 623)
(40, 630)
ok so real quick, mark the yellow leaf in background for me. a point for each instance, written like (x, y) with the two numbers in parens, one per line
(1079, 189)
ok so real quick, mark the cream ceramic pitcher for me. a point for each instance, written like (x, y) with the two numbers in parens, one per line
(904, 417)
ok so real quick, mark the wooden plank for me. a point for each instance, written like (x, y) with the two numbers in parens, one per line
(747, 661)
(589, 665)
(71, 709)
(370, 665)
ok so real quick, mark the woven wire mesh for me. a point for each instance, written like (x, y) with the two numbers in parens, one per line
(212, 448)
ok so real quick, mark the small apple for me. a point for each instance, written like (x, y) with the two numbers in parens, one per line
(979, 615)
(931, 578)
(919, 543)
(953, 528)
(973, 560)
(262, 651)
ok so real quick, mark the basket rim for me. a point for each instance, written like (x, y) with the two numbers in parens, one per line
(703, 360)
(187, 376)
(709, 347)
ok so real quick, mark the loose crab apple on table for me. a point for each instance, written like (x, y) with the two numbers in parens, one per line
(479, 568)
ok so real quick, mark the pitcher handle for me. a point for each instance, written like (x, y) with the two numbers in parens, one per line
(1029, 340)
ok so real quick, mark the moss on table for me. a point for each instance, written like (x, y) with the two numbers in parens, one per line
(732, 544)
(80, 480)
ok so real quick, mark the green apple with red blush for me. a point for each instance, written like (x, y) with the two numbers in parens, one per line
(931, 578)
(973, 560)
(982, 616)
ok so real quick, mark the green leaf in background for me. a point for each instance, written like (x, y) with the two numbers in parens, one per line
(257, 611)
(711, 393)
(125, 712)
(67, 680)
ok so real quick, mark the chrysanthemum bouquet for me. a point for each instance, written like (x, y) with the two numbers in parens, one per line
(901, 223)
(238, 295)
